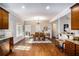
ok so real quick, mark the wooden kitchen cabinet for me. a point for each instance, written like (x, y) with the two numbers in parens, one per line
(69, 48)
(0, 18)
(4, 19)
(77, 50)
(72, 49)
(75, 17)
(6, 46)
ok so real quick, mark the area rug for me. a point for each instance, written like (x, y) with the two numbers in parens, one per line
(32, 41)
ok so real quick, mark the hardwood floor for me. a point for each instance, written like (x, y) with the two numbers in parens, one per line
(35, 49)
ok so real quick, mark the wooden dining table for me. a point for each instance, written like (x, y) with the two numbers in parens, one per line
(38, 36)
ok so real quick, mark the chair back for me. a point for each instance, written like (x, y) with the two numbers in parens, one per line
(42, 34)
(36, 34)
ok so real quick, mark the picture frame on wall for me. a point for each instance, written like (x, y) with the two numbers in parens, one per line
(66, 26)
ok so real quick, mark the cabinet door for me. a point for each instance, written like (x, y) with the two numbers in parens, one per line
(70, 52)
(69, 45)
(77, 50)
(1, 21)
(5, 47)
(5, 19)
(75, 17)
(1, 54)
(69, 48)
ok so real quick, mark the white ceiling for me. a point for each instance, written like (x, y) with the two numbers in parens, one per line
(37, 9)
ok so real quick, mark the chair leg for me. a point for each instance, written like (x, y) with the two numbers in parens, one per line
(38, 38)
(43, 39)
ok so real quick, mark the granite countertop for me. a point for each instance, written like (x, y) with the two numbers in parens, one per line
(73, 41)
(5, 37)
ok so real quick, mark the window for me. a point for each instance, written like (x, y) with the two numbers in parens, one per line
(19, 30)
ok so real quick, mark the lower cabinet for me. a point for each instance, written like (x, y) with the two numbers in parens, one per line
(70, 52)
(69, 48)
(77, 50)
(6, 46)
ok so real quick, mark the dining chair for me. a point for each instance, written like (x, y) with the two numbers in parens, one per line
(42, 36)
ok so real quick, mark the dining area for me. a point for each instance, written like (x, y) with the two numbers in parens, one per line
(40, 36)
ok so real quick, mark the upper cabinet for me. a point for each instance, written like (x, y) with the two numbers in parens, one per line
(75, 17)
(4, 19)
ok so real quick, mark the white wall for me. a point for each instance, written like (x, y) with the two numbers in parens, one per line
(64, 20)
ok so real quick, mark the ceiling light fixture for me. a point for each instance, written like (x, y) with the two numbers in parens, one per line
(47, 7)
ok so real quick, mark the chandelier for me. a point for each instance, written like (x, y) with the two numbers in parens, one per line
(39, 18)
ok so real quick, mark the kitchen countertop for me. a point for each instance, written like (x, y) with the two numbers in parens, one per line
(73, 41)
(5, 37)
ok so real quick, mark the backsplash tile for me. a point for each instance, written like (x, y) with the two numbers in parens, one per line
(2, 32)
